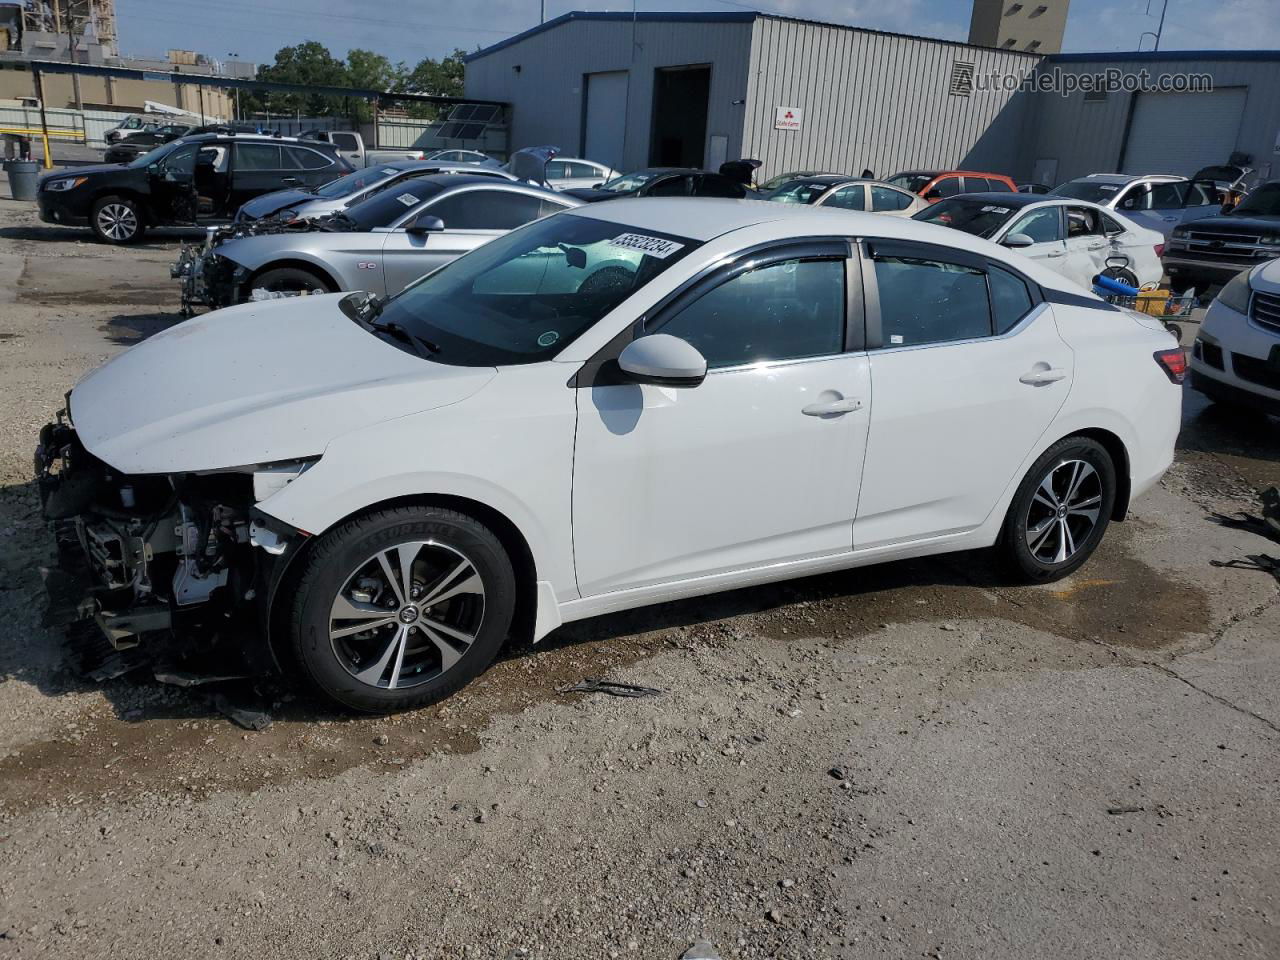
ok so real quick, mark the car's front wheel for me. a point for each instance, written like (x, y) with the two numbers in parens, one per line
(1060, 510)
(117, 220)
(290, 282)
(402, 607)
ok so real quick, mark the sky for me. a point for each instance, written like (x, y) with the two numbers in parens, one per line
(412, 29)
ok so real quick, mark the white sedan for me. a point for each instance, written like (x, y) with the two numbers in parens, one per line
(618, 405)
(1075, 238)
(568, 173)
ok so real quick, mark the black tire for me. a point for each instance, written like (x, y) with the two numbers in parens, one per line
(117, 220)
(347, 560)
(1123, 274)
(290, 280)
(1042, 561)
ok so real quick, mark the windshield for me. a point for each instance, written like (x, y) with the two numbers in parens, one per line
(386, 207)
(527, 295)
(1091, 190)
(910, 181)
(632, 181)
(352, 182)
(1263, 202)
(981, 218)
(798, 191)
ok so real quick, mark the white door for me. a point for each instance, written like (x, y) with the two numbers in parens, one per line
(1156, 206)
(1044, 226)
(1088, 246)
(966, 385)
(605, 120)
(1182, 132)
(759, 464)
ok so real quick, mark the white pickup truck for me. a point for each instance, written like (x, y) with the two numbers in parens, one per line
(352, 148)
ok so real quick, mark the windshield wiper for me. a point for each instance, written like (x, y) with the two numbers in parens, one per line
(424, 347)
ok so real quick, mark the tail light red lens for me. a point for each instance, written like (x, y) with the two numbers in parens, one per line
(1159, 249)
(1173, 363)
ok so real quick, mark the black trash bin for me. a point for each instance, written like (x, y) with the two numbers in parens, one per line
(24, 176)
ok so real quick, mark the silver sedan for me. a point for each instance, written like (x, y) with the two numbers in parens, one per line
(380, 245)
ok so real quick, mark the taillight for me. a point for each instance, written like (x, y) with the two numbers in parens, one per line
(1173, 363)
(1159, 249)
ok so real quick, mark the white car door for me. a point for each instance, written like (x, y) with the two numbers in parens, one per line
(1087, 245)
(1043, 224)
(1156, 206)
(760, 463)
(471, 218)
(966, 384)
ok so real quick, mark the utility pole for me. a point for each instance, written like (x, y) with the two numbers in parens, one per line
(69, 21)
(542, 11)
(1159, 30)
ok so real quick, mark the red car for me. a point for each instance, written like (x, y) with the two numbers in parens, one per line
(933, 185)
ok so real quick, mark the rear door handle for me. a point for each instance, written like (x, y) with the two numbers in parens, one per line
(832, 408)
(1039, 377)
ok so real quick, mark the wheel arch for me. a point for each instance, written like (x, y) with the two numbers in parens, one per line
(290, 263)
(1119, 454)
(506, 530)
(140, 199)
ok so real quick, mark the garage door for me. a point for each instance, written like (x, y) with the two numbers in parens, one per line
(606, 117)
(1182, 132)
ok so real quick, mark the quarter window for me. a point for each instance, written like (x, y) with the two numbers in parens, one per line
(1042, 226)
(1010, 300)
(344, 141)
(781, 311)
(884, 199)
(852, 197)
(301, 159)
(930, 301)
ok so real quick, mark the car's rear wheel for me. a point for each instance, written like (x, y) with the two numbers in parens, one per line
(1060, 510)
(402, 607)
(291, 281)
(117, 220)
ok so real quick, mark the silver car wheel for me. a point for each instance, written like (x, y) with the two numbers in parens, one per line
(1064, 511)
(117, 221)
(407, 614)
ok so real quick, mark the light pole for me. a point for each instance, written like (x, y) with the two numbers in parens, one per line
(235, 91)
(1164, 8)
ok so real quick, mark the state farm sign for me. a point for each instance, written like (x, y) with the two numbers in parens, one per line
(787, 118)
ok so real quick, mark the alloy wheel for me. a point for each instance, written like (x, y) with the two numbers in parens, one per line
(118, 221)
(1064, 511)
(407, 614)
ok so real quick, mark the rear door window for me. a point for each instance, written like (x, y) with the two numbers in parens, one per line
(976, 185)
(852, 197)
(257, 156)
(300, 158)
(925, 301)
(947, 186)
(886, 198)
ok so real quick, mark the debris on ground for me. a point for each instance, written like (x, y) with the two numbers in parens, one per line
(612, 688)
(188, 678)
(700, 950)
(246, 717)
(1120, 811)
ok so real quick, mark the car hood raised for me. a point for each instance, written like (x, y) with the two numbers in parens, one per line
(257, 383)
(274, 202)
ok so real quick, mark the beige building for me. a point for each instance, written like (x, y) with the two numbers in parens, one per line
(1032, 26)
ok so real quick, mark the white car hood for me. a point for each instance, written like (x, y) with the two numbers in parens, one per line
(254, 384)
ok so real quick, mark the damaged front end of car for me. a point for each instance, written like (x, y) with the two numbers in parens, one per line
(211, 280)
(181, 564)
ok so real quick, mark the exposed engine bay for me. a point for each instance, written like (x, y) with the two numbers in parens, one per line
(209, 280)
(165, 556)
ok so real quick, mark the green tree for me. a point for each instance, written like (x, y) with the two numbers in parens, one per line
(371, 71)
(439, 78)
(309, 64)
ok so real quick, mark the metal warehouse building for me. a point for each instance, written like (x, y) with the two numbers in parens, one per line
(695, 89)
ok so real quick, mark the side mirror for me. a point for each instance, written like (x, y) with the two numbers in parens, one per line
(595, 186)
(425, 223)
(663, 360)
(934, 194)
(1016, 240)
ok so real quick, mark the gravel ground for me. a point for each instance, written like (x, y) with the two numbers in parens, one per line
(917, 760)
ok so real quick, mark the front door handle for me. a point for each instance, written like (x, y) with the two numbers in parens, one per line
(1039, 375)
(832, 408)
(1057, 253)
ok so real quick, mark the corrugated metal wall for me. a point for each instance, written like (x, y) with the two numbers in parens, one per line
(878, 101)
(1088, 137)
(546, 93)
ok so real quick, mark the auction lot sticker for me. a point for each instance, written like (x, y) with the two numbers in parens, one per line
(651, 246)
(408, 199)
